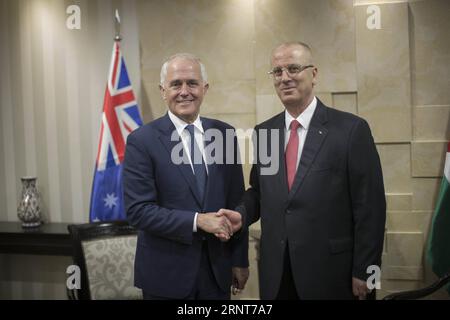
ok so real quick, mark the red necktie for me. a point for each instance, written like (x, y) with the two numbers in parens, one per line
(292, 153)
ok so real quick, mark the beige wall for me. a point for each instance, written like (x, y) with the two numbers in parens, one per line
(395, 77)
(52, 84)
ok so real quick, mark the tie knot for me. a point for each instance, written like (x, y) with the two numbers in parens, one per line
(295, 125)
(190, 128)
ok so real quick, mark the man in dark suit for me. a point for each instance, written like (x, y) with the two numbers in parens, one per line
(323, 212)
(174, 204)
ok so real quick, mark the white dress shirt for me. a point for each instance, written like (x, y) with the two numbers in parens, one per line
(304, 119)
(199, 133)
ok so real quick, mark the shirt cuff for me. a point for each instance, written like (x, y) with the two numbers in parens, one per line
(194, 227)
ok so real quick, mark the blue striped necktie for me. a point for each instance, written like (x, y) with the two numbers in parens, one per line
(197, 162)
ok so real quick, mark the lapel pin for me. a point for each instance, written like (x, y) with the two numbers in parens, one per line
(320, 132)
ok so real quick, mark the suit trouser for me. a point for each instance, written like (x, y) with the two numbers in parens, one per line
(287, 290)
(205, 286)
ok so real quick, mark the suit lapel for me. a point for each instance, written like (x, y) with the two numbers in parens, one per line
(281, 178)
(166, 130)
(317, 134)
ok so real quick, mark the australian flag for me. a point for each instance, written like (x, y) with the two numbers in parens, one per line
(120, 117)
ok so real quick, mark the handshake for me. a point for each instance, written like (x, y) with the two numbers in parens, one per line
(223, 223)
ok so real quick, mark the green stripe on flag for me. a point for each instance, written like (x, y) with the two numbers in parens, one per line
(439, 240)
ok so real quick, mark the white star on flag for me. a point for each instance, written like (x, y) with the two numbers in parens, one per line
(110, 200)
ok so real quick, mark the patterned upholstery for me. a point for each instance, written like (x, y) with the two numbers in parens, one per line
(110, 267)
(105, 253)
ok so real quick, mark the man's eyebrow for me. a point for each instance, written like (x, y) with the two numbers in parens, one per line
(177, 81)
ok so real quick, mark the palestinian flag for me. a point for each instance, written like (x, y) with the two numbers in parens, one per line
(439, 241)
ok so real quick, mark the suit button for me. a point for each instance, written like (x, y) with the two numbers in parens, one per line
(282, 241)
(288, 211)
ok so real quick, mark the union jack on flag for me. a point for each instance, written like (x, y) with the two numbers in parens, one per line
(120, 117)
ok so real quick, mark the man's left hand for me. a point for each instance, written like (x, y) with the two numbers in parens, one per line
(360, 289)
(240, 277)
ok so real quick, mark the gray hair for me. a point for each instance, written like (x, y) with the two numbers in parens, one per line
(303, 45)
(294, 43)
(187, 56)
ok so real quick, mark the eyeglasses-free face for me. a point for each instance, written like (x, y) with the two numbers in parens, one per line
(184, 89)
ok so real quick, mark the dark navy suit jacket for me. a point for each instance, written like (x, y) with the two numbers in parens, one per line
(332, 221)
(161, 199)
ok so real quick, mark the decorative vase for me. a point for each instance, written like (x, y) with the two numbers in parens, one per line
(29, 211)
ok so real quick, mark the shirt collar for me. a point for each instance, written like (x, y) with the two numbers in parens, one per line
(304, 118)
(180, 125)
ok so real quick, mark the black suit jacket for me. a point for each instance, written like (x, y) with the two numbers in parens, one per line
(334, 217)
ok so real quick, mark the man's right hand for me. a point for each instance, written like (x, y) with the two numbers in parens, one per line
(234, 217)
(218, 224)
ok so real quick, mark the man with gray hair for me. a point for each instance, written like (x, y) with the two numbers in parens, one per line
(185, 249)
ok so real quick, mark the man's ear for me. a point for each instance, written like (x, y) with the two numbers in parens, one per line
(162, 91)
(315, 72)
(206, 87)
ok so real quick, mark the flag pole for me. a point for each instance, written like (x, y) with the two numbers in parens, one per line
(118, 37)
